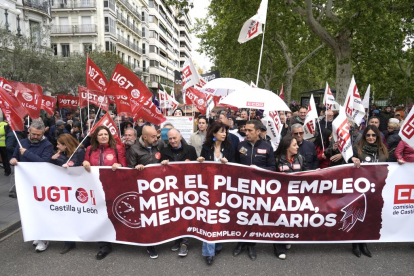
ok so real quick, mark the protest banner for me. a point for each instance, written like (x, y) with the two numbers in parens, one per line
(68, 101)
(217, 203)
(184, 124)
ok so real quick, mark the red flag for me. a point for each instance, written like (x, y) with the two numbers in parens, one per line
(125, 83)
(107, 121)
(95, 97)
(12, 117)
(30, 97)
(281, 95)
(198, 98)
(68, 101)
(111, 99)
(49, 104)
(123, 105)
(150, 113)
(95, 79)
(7, 93)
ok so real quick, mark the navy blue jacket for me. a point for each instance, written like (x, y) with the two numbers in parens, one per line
(234, 141)
(308, 151)
(77, 158)
(208, 152)
(40, 152)
(261, 155)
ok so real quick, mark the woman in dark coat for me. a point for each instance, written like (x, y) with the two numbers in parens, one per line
(369, 149)
(219, 149)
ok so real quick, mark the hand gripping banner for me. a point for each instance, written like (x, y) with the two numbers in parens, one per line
(217, 203)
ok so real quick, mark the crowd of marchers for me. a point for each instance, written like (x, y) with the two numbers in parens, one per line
(225, 136)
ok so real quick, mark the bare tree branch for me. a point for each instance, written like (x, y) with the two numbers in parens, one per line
(329, 13)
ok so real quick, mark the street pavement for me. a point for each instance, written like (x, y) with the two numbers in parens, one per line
(19, 258)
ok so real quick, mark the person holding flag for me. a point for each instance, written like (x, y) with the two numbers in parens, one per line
(104, 151)
(36, 148)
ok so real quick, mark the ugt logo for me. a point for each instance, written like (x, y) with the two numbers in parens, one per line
(254, 29)
(187, 72)
(408, 129)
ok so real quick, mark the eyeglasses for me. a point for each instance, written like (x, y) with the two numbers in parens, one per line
(370, 135)
(298, 133)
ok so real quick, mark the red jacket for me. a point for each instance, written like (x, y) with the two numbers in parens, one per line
(405, 152)
(323, 163)
(107, 154)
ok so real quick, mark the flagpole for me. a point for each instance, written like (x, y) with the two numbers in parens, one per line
(80, 119)
(323, 147)
(18, 141)
(261, 52)
(76, 148)
(96, 115)
(89, 125)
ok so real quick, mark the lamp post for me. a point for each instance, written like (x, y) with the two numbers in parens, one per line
(18, 12)
(6, 8)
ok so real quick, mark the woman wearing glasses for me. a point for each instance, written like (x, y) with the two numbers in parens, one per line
(368, 150)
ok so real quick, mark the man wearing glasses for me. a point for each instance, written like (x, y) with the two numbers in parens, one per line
(306, 148)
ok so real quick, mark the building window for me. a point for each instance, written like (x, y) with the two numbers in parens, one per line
(154, 63)
(55, 49)
(144, 51)
(109, 4)
(151, 3)
(153, 34)
(151, 19)
(35, 35)
(154, 78)
(65, 50)
(153, 49)
(87, 48)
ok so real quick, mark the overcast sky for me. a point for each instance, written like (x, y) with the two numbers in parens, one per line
(199, 10)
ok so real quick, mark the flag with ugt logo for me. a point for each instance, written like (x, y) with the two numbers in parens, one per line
(253, 26)
(190, 75)
(407, 129)
(95, 79)
(107, 121)
(354, 108)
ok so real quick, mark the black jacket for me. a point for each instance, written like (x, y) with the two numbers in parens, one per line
(308, 151)
(392, 140)
(208, 152)
(261, 155)
(76, 160)
(186, 152)
(298, 165)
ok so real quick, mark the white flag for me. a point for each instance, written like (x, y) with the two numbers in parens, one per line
(329, 99)
(340, 130)
(309, 126)
(190, 75)
(253, 27)
(274, 127)
(353, 104)
(163, 99)
(252, 84)
(365, 102)
(407, 129)
(172, 103)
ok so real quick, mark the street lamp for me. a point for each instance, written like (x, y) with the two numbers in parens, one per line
(18, 12)
(6, 8)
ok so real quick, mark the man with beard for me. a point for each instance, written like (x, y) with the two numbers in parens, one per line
(36, 148)
(300, 119)
(143, 152)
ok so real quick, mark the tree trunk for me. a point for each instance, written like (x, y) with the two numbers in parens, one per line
(343, 66)
(287, 88)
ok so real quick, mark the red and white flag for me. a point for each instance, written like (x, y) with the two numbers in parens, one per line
(253, 27)
(274, 127)
(14, 119)
(49, 104)
(354, 108)
(68, 101)
(190, 75)
(107, 121)
(309, 127)
(407, 129)
(129, 89)
(198, 98)
(95, 79)
(30, 97)
(329, 99)
(173, 104)
(96, 97)
(201, 83)
(150, 113)
(252, 84)
(281, 95)
(7, 93)
(340, 130)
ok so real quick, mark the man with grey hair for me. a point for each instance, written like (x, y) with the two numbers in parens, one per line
(178, 151)
(306, 148)
(36, 148)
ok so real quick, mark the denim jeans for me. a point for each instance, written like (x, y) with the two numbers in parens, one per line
(209, 249)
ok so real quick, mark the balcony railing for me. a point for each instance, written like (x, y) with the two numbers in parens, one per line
(129, 44)
(129, 24)
(134, 11)
(41, 5)
(74, 29)
(72, 4)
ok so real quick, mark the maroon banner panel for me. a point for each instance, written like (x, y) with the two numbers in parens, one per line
(217, 202)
